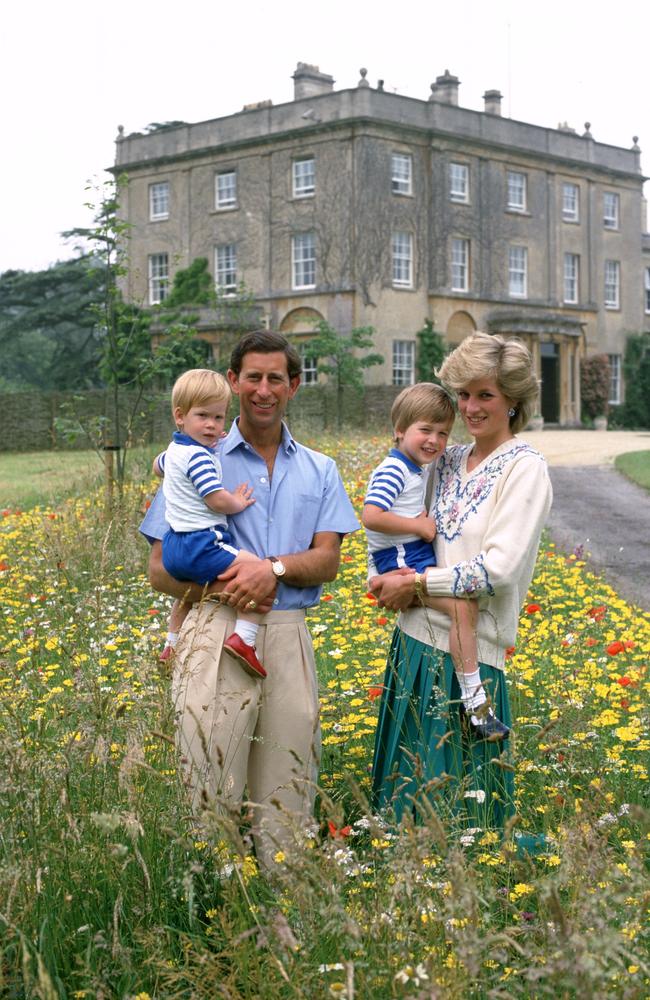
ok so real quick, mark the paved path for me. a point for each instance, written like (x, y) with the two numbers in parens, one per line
(596, 507)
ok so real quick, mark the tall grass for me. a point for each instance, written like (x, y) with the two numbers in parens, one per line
(109, 889)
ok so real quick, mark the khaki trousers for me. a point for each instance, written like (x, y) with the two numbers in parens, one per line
(236, 732)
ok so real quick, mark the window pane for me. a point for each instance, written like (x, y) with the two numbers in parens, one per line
(304, 177)
(612, 284)
(158, 278)
(401, 175)
(518, 271)
(459, 265)
(459, 182)
(615, 378)
(571, 276)
(402, 247)
(610, 210)
(516, 191)
(570, 202)
(403, 362)
(226, 189)
(647, 289)
(303, 251)
(225, 268)
(159, 200)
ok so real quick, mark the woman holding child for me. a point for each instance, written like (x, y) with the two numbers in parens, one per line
(490, 499)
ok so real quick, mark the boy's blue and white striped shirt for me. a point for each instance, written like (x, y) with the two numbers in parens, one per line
(396, 485)
(192, 472)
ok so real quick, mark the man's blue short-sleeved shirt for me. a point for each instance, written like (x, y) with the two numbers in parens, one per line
(304, 496)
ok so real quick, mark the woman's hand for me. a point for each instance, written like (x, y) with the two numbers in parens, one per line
(395, 590)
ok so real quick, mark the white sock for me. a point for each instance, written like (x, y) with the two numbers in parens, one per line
(172, 639)
(246, 631)
(472, 691)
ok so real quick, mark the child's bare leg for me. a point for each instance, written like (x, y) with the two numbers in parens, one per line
(177, 616)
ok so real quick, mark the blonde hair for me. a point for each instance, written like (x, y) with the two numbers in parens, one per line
(508, 362)
(424, 401)
(197, 387)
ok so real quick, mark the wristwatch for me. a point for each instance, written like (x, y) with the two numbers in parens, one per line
(277, 566)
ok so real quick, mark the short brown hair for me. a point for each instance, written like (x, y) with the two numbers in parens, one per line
(265, 342)
(197, 387)
(424, 401)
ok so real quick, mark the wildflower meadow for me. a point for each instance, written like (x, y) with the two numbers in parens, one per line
(108, 889)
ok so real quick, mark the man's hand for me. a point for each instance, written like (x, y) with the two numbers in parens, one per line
(395, 590)
(424, 526)
(249, 581)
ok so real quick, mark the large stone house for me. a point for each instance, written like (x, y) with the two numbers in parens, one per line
(365, 207)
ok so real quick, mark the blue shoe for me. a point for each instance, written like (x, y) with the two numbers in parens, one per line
(484, 726)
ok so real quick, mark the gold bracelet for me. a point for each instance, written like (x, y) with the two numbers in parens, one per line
(419, 585)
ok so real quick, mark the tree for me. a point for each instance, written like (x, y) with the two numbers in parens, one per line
(431, 352)
(48, 331)
(594, 386)
(338, 358)
(635, 411)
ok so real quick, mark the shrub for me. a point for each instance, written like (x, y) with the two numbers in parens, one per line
(594, 386)
(635, 411)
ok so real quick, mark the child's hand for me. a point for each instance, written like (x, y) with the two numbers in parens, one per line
(425, 526)
(243, 496)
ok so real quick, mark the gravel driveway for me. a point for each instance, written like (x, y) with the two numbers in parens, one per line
(597, 508)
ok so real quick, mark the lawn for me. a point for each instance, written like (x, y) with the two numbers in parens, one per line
(108, 889)
(636, 466)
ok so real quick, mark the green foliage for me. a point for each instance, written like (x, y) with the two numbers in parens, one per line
(339, 358)
(49, 337)
(594, 386)
(430, 352)
(193, 286)
(635, 411)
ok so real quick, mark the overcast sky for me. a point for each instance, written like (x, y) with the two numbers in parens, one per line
(71, 71)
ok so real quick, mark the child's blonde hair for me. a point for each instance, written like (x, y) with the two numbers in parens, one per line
(424, 401)
(197, 387)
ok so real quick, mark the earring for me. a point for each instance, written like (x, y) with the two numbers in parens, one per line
(511, 412)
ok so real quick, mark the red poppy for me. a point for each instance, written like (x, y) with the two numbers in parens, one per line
(623, 681)
(624, 703)
(509, 651)
(52, 517)
(347, 559)
(153, 611)
(4, 565)
(597, 614)
(382, 621)
(375, 691)
(345, 831)
(629, 644)
(616, 647)
(591, 641)
(532, 609)
(327, 597)
(370, 597)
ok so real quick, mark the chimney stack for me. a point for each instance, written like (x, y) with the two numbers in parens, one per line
(492, 100)
(308, 81)
(445, 89)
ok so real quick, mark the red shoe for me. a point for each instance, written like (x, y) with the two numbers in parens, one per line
(246, 655)
(168, 653)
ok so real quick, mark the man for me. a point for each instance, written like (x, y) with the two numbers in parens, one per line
(235, 731)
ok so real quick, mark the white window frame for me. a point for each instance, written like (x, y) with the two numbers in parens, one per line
(401, 178)
(158, 201)
(459, 182)
(303, 260)
(612, 296)
(647, 291)
(611, 210)
(570, 202)
(309, 366)
(225, 189)
(403, 362)
(402, 260)
(571, 278)
(460, 258)
(615, 370)
(158, 271)
(304, 177)
(518, 272)
(517, 193)
(225, 268)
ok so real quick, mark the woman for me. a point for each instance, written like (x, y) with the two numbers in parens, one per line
(490, 500)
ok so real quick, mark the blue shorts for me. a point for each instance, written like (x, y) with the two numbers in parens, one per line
(199, 556)
(417, 555)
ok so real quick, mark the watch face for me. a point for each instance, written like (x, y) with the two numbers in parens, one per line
(278, 567)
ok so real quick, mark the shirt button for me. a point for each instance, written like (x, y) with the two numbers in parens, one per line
(262, 479)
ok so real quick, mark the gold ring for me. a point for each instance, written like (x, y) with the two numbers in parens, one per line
(251, 605)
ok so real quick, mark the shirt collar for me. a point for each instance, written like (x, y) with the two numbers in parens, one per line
(409, 463)
(235, 439)
(180, 438)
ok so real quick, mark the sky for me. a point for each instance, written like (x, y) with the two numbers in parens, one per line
(71, 72)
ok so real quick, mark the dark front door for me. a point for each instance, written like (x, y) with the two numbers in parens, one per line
(550, 383)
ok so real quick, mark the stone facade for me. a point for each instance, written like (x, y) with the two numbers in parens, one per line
(370, 208)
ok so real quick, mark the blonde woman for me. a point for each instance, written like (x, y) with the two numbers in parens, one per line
(490, 499)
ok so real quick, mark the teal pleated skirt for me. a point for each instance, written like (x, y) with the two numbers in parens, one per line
(423, 758)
